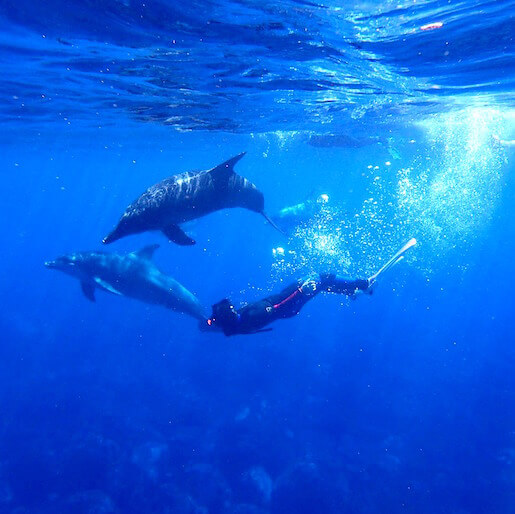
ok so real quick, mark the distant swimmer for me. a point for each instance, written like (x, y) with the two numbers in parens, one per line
(188, 196)
(288, 218)
(133, 275)
(507, 143)
(254, 317)
(342, 140)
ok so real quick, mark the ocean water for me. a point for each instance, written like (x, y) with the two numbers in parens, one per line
(402, 113)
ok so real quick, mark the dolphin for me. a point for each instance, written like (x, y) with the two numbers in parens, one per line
(133, 275)
(188, 196)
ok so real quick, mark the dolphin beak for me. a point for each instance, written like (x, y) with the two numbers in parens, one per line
(110, 237)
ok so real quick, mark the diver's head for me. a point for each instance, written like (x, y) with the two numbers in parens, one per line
(323, 199)
(224, 314)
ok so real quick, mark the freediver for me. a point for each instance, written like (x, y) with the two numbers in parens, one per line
(254, 317)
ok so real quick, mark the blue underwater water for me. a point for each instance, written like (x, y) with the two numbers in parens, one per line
(402, 113)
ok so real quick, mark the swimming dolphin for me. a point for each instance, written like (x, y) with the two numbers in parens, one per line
(187, 196)
(133, 275)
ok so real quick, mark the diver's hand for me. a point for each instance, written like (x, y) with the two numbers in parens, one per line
(308, 287)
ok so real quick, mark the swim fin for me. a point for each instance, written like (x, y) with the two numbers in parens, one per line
(394, 260)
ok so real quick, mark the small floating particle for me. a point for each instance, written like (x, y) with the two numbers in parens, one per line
(387, 163)
(432, 26)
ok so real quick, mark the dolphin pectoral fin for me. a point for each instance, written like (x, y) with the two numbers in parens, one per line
(223, 171)
(147, 252)
(88, 290)
(175, 234)
(108, 287)
(273, 224)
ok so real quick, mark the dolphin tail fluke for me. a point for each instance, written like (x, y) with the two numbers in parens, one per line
(226, 169)
(273, 224)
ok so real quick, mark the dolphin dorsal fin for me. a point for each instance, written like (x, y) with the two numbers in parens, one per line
(226, 169)
(147, 252)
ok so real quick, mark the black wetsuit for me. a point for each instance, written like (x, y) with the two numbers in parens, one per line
(251, 318)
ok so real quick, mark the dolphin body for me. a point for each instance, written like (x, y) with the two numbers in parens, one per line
(188, 196)
(133, 275)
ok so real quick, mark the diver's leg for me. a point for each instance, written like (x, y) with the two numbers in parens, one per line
(341, 285)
